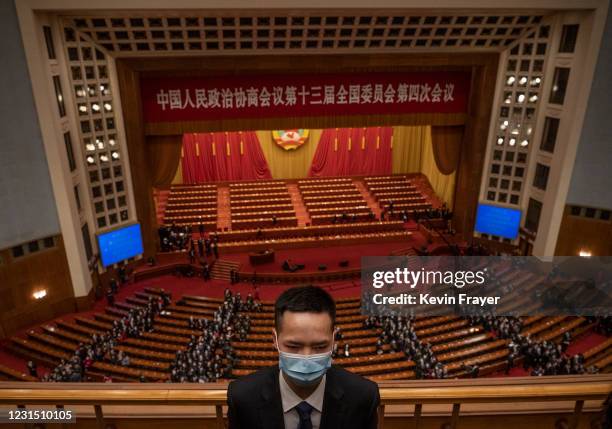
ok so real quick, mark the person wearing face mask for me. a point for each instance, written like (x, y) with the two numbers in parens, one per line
(305, 391)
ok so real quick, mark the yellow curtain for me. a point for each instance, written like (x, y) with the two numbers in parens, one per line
(413, 153)
(178, 177)
(164, 153)
(289, 164)
(408, 148)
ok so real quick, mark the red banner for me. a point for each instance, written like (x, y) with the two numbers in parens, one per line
(172, 99)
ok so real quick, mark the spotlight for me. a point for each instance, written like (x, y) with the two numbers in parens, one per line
(523, 80)
(524, 143)
(510, 80)
(104, 158)
(90, 160)
(533, 98)
(95, 107)
(108, 107)
(115, 155)
(512, 142)
(521, 98)
(500, 141)
(585, 253)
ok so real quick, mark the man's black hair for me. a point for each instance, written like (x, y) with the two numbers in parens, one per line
(311, 299)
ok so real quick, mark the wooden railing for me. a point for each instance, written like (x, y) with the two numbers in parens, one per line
(576, 389)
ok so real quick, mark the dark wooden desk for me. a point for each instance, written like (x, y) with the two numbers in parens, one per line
(263, 257)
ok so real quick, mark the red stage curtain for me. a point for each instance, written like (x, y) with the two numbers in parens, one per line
(353, 151)
(213, 157)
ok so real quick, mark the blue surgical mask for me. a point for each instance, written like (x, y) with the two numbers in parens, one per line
(304, 370)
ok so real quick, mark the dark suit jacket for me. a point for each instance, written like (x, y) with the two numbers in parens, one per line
(349, 402)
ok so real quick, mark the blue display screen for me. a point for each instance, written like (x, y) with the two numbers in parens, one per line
(500, 221)
(120, 244)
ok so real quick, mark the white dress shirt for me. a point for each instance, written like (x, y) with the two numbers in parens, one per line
(290, 399)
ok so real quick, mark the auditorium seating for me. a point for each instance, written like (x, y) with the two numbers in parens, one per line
(192, 205)
(453, 340)
(261, 204)
(400, 190)
(331, 201)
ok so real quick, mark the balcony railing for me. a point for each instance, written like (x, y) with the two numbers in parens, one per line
(520, 390)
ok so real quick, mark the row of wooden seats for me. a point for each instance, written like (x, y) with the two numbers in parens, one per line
(604, 364)
(388, 177)
(266, 343)
(191, 204)
(479, 360)
(445, 327)
(319, 219)
(344, 316)
(601, 350)
(314, 230)
(242, 193)
(325, 187)
(452, 335)
(462, 342)
(10, 374)
(285, 199)
(267, 307)
(309, 194)
(262, 214)
(239, 185)
(545, 324)
(325, 180)
(184, 199)
(411, 207)
(348, 195)
(273, 207)
(129, 372)
(357, 200)
(193, 185)
(471, 351)
(353, 361)
(268, 354)
(376, 188)
(157, 291)
(385, 201)
(359, 333)
(264, 222)
(397, 195)
(313, 241)
(66, 335)
(343, 327)
(207, 211)
(194, 219)
(365, 370)
(192, 193)
(266, 195)
(359, 211)
(554, 334)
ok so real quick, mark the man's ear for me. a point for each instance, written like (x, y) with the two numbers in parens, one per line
(275, 338)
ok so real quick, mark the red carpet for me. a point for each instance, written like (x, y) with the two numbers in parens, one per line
(330, 256)
(585, 342)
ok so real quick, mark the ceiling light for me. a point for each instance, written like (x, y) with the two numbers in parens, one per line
(40, 294)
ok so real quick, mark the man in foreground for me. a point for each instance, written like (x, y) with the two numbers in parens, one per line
(304, 391)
